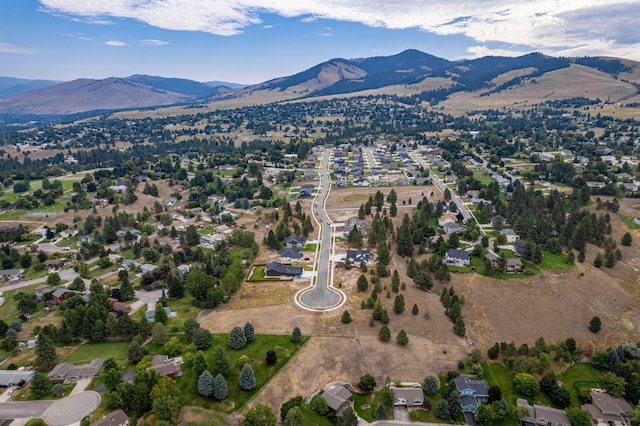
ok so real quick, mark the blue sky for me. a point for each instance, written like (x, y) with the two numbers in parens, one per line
(250, 41)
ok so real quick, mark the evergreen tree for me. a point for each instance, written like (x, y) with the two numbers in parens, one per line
(459, 327)
(135, 353)
(247, 378)
(595, 324)
(346, 317)
(271, 357)
(237, 338)
(126, 290)
(363, 283)
(398, 304)
(46, 357)
(430, 385)
(249, 332)
(296, 335)
(414, 310)
(402, 338)
(384, 334)
(626, 239)
(348, 418)
(395, 281)
(220, 388)
(205, 384)
(412, 268)
(220, 361)
(39, 385)
(160, 315)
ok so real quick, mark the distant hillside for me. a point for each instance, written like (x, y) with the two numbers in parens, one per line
(424, 77)
(412, 75)
(137, 91)
(217, 83)
(10, 86)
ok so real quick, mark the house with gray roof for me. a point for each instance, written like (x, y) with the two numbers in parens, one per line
(293, 241)
(542, 415)
(452, 228)
(277, 269)
(337, 397)
(606, 408)
(290, 254)
(359, 256)
(13, 377)
(472, 393)
(457, 257)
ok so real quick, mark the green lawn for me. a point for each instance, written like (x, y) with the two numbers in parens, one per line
(364, 399)
(628, 220)
(497, 374)
(258, 274)
(25, 394)
(311, 418)
(87, 352)
(580, 375)
(9, 309)
(311, 247)
(554, 262)
(255, 351)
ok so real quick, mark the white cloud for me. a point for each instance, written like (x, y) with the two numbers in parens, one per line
(10, 48)
(116, 43)
(153, 42)
(267, 27)
(480, 51)
(553, 26)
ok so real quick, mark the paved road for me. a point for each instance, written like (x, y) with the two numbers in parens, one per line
(442, 187)
(322, 296)
(17, 410)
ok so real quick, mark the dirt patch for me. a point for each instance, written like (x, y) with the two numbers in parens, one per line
(354, 197)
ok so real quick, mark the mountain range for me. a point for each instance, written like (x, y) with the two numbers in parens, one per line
(411, 73)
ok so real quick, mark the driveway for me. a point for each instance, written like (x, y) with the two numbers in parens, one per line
(400, 414)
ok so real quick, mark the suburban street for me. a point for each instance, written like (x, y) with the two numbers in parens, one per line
(322, 296)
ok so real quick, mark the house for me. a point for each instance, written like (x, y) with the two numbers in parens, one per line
(68, 233)
(514, 265)
(119, 307)
(129, 264)
(68, 373)
(13, 377)
(452, 228)
(542, 415)
(277, 269)
(114, 418)
(118, 188)
(306, 190)
(359, 256)
(150, 313)
(606, 408)
(352, 222)
(147, 267)
(447, 218)
(337, 397)
(165, 366)
(54, 263)
(472, 393)
(41, 290)
(60, 294)
(511, 235)
(290, 254)
(183, 270)
(457, 257)
(170, 201)
(224, 230)
(293, 241)
(492, 258)
(518, 248)
(407, 396)
(11, 274)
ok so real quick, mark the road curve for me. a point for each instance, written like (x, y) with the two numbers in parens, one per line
(320, 295)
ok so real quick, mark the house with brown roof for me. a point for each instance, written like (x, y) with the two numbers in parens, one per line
(114, 418)
(165, 366)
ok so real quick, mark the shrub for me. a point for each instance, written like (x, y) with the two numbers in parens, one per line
(296, 335)
(595, 324)
(271, 357)
(430, 385)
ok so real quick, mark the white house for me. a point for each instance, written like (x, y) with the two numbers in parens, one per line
(511, 235)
